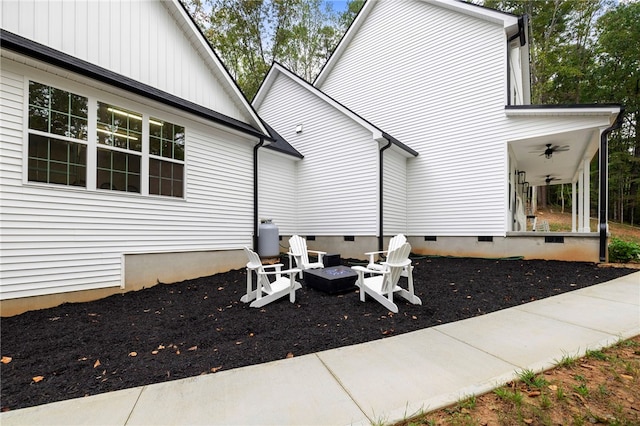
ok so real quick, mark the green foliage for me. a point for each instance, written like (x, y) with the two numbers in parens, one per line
(531, 379)
(623, 251)
(250, 35)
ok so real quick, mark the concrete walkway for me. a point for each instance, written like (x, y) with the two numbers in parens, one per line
(375, 382)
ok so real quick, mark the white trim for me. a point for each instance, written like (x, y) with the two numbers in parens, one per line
(568, 111)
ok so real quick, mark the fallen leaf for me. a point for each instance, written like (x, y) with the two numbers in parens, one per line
(289, 355)
(133, 353)
(178, 352)
(346, 316)
(160, 346)
(214, 369)
(192, 348)
(38, 379)
(553, 387)
(626, 376)
(590, 367)
(528, 421)
(96, 364)
(534, 393)
(6, 359)
(414, 317)
(154, 352)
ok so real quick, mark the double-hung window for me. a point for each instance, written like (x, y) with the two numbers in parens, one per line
(119, 136)
(123, 145)
(57, 151)
(166, 158)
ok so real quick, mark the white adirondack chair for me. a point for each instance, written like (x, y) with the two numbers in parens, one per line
(266, 290)
(299, 252)
(394, 243)
(384, 283)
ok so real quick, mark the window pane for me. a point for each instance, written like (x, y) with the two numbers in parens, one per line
(171, 143)
(38, 119)
(119, 127)
(39, 95)
(51, 110)
(154, 146)
(118, 171)
(166, 178)
(56, 161)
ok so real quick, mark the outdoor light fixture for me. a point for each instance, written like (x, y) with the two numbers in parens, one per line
(299, 128)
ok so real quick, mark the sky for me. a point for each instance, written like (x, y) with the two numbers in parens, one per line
(338, 5)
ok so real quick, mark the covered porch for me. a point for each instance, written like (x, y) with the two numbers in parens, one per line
(555, 145)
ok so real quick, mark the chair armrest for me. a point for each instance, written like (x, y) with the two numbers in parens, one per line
(317, 252)
(367, 270)
(370, 253)
(406, 262)
(286, 271)
(275, 265)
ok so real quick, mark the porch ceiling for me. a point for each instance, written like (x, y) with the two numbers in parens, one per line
(563, 165)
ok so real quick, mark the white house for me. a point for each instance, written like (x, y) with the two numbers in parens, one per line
(334, 194)
(451, 80)
(128, 153)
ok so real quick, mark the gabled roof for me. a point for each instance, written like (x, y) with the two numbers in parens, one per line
(277, 68)
(509, 21)
(248, 120)
(280, 144)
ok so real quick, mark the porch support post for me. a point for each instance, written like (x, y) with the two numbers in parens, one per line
(573, 206)
(586, 226)
(580, 200)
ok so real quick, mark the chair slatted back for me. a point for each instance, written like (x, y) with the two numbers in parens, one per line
(255, 264)
(396, 261)
(397, 242)
(298, 247)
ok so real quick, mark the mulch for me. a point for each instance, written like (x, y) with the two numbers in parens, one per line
(173, 331)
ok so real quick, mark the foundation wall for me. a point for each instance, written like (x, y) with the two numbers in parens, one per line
(146, 270)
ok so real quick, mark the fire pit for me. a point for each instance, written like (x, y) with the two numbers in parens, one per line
(335, 279)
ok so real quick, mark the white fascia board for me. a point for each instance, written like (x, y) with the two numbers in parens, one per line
(265, 86)
(609, 110)
(508, 21)
(206, 50)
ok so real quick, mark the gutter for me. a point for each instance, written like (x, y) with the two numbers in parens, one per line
(255, 193)
(604, 183)
(381, 195)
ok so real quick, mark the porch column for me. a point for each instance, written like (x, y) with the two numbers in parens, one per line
(573, 206)
(586, 226)
(580, 200)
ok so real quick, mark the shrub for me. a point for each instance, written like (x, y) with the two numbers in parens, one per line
(623, 251)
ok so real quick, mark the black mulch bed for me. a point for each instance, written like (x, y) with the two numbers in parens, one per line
(199, 326)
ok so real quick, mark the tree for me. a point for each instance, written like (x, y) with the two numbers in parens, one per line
(617, 79)
(249, 35)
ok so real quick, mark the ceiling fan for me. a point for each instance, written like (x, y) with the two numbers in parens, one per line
(550, 149)
(549, 179)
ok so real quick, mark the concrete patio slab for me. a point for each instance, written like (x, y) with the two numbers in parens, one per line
(396, 377)
(288, 392)
(111, 408)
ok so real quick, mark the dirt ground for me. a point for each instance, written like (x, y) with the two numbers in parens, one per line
(173, 331)
(602, 387)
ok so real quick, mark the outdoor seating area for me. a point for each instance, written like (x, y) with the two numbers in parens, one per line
(378, 280)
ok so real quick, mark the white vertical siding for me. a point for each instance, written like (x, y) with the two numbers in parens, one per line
(337, 179)
(435, 79)
(277, 195)
(139, 39)
(395, 193)
(57, 239)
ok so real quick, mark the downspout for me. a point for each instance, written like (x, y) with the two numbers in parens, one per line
(522, 22)
(381, 195)
(604, 183)
(255, 192)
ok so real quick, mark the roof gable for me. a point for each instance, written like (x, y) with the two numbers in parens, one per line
(508, 21)
(278, 69)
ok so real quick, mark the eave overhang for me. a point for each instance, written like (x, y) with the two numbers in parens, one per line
(40, 52)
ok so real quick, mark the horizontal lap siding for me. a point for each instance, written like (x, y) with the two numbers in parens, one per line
(337, 179)
(137, 39)
(277, 182)
(58, 239)
(439, 88)
(395, 193)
